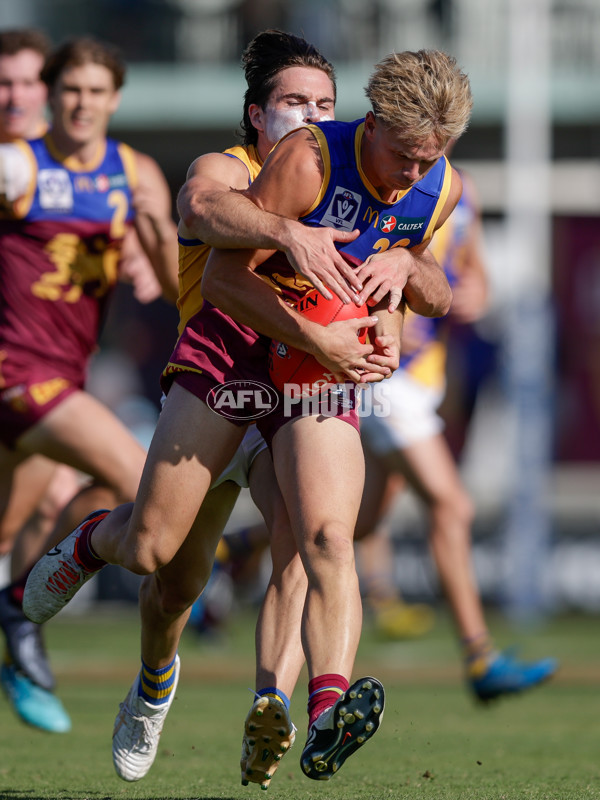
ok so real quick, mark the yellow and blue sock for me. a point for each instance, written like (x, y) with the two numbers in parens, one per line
(478, 653)
(273, 691)
(155, 685)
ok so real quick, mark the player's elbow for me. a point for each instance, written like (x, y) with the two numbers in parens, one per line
(190, 214)
(189, 207)
(436, 305)
(443, 307)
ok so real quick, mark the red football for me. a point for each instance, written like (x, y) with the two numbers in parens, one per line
(297, 373)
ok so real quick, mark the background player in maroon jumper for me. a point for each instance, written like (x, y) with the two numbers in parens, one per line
(69, 234)
(23, 534)
(192, 445)
(23, 97)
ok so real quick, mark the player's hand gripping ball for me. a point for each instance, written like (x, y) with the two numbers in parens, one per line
(297, 373)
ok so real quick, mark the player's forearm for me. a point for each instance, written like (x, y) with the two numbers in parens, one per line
(209, 216)
(159, 242)
(389, 324)
(239, 292)
(231, 285)
(427, 291)
(166, 268)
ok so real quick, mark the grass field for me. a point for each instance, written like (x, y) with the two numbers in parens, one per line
(435, 742)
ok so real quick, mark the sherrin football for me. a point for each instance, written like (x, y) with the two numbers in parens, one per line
(297, 373)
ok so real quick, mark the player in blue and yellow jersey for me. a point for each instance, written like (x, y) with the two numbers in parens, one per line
(227, 339)
(408, 441)
(68, 203)
(387, 178)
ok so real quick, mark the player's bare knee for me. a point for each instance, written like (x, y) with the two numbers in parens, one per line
(455, 509)
(137, 563)
(463, 510)
(331, 544)
(144, 558)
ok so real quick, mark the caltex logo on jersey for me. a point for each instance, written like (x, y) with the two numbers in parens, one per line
(387, 224)
(102, 183)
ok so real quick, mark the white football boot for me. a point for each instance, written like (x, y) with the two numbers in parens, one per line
(58, 576)
(137, 732)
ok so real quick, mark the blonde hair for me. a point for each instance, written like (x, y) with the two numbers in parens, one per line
(421, 94)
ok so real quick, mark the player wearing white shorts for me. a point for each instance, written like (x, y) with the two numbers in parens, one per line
(412, 414)
(404, 436)
(238, 469)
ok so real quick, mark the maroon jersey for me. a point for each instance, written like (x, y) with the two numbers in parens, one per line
(59, 255)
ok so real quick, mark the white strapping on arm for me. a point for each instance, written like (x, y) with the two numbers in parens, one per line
(15, 172)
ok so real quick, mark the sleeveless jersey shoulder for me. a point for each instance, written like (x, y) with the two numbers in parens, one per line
(248, 155)
(193, 253)
(127, 155)
(349, 201)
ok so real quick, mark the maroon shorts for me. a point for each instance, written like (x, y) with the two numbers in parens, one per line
(29, 389)
(226, 365)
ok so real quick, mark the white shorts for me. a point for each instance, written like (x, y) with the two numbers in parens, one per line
(238, 468)
(404, 412)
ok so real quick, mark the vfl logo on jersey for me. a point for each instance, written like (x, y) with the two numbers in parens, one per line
(55, 189)
(343, 209)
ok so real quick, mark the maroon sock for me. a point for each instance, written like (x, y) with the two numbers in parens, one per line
(84, 552)
(323, 692)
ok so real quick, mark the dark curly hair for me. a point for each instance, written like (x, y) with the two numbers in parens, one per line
(264, 58)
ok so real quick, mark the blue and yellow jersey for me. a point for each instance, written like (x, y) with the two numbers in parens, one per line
(59, 251)
(193, 253)
(426, 361)
(347, 201)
